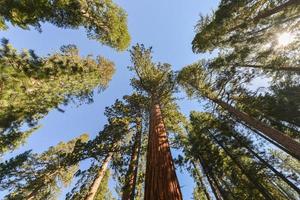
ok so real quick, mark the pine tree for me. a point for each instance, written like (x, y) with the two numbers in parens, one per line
(157, 82)
(137, 106)
(278, 107)
(248, 34)
(104, 21)
(102, 149)
(206, 131)
(103, 192)
(34, 176)
(116, 131)
(196, 81)
(31, 86)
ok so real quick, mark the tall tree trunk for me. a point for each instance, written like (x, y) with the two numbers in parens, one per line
(131, 176)
(252, 179)
(285, 141)
(97, 181)
(277, 9)
(285, 68)
(199, 181)
(277, 173)
(268, 13)
(161, 181)
(215, 187)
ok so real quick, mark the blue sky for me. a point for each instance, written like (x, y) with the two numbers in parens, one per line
(167, 26)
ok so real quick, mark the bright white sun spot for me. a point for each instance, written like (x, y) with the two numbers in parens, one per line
(285, 38)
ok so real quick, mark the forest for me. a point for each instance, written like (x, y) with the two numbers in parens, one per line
(218, 121)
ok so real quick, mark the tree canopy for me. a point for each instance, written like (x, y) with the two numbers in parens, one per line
(31, 86)
(104, 21)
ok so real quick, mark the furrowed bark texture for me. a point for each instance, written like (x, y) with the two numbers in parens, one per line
(285, 141)
(97, 181)
(161, 180)
(131, 176)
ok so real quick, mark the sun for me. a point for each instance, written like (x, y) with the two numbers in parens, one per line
(284, 39)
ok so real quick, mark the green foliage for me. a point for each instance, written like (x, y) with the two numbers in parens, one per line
(13, 139)
(31, 86)
(198, 194)
(40, 176)
(158, 83)
(247, 33)
(211, 141)
(157, 80)
(103, 192)
(104, 21)
(109, 140)
(85, 179)
(278, 107)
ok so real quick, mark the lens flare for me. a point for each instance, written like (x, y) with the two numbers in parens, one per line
(284, 39)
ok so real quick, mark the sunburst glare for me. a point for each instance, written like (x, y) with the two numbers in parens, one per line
(285, 38)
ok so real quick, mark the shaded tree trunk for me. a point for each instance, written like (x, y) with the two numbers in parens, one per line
(131, 176)
(252, 179)
(269, 13)
(97, 181)
(275, 171)
(161, 182)
(286, 68)
(216, 188)
(285, 141)
(200, 182)
(277, 9)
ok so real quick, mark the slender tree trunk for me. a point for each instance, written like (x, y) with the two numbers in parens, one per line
(252, 179)
(131, 176)
(215, 187)
(161, 181)
(199, 181)
(277, 9)
(285, 141)
(228, 188)
(286, 68)
(277, 173)
(268, 13)
(97, 181)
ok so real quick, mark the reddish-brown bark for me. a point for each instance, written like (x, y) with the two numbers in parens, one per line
(131, 176)
(285, 141)
(161, 181)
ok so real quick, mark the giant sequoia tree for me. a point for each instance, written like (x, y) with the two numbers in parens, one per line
(157, 81)
(31, 86)
(104, 21)
(224, 149)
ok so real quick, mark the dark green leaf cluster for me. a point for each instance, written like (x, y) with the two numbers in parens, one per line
(230, 158)
(104, 21)
(40, 176)
(254, 34)
(31, 86)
